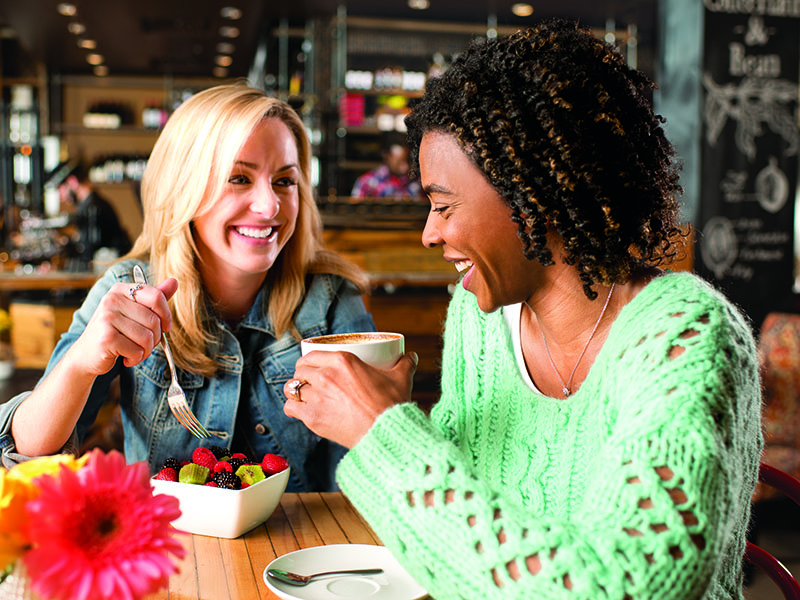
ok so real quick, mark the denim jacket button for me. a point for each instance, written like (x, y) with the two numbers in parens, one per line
(260, 429)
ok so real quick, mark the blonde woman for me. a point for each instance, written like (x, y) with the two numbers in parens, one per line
(231, 243)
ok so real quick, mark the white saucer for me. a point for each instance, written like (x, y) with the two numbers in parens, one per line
(393, 584)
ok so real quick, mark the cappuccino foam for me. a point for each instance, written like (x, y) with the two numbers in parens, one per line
(353, 338)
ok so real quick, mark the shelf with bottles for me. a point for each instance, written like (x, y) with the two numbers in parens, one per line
(115, 169)
(375, 68)
(22, 156)
(66, 128)
(386, 80)
(129, 104)
(285, 64)
(104, 118)
(372, 114)
(21, 118)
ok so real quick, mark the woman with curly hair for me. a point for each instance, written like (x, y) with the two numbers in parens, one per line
(232, 244)
(598, 430)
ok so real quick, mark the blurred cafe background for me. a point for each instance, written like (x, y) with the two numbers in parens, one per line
(90, 84)
(86, 86)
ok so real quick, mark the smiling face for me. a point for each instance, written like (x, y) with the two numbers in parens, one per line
(240, 238)
(472, 224)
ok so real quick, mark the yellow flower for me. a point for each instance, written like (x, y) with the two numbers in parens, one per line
(29, 470)
(17, 487)
(13, 496)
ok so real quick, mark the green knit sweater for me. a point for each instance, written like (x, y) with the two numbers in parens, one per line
(637, 486)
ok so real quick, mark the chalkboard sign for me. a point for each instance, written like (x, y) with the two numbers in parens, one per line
(749, 152)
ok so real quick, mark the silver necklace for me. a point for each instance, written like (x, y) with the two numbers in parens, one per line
(566, 388)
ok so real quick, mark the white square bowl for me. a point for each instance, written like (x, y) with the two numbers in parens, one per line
(221, 512)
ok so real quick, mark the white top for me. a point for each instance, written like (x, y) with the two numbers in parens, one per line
(513, 316)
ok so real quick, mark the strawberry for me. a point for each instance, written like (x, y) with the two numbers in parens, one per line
(210, 484)
(167, 474)
(273, 463)
(204, 457)
(240, 456)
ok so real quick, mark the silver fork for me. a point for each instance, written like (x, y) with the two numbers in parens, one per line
(175, 395)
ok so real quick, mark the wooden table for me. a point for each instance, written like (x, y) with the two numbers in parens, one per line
(222, 569)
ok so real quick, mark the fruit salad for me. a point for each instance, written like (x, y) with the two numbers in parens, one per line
(217, 466)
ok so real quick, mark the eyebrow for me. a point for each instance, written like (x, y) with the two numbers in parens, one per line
(435, 188)
(250, 165)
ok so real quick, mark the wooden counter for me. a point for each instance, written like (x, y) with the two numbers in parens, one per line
(21, 282)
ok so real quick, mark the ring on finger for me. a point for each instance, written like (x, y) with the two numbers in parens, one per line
(294, 388)
(133, 290)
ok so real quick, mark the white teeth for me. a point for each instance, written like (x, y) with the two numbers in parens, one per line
(463, 265)
(254, 233)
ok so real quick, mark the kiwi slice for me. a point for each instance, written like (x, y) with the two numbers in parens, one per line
(250, 474)
(193, 473)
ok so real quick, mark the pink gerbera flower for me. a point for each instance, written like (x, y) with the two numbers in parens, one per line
(99, 533)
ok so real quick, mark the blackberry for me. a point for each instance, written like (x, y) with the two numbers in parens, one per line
(172, 463)
(219, 451)
(237, 462)
(226, 479)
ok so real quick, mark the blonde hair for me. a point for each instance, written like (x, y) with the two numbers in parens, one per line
(187, 170)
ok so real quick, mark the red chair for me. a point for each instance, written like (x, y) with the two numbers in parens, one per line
(779, 359)
(759, 557)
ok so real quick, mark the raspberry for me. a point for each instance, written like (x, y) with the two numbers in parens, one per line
(204, 457)
(223, 466)
(210, 484)
(172, 463)
(219, 451)
(226, 479)
(273, 463)
(167, 474)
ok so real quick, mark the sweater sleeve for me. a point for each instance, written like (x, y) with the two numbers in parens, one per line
(662, 509)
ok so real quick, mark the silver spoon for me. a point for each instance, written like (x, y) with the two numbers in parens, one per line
(297, 579)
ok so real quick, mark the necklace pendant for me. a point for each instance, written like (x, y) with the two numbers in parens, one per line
(566, 391)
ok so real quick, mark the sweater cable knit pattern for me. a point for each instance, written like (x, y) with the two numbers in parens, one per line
(637, 486)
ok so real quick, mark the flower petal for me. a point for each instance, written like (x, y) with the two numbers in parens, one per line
(101, 534)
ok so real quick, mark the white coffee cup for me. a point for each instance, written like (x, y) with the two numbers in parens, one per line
(378, 348)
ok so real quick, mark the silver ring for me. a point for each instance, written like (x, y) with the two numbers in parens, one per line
(133, 290)
(294, 388)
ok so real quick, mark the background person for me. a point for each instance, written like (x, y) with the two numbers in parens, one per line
(94, 219)
(391, 178)
(598, 433)
(231, 241)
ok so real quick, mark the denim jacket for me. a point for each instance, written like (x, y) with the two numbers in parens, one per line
(255, 366)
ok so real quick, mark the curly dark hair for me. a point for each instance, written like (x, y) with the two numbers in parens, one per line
(563, 129)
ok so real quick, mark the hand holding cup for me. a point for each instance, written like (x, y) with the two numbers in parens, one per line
(344, 381)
